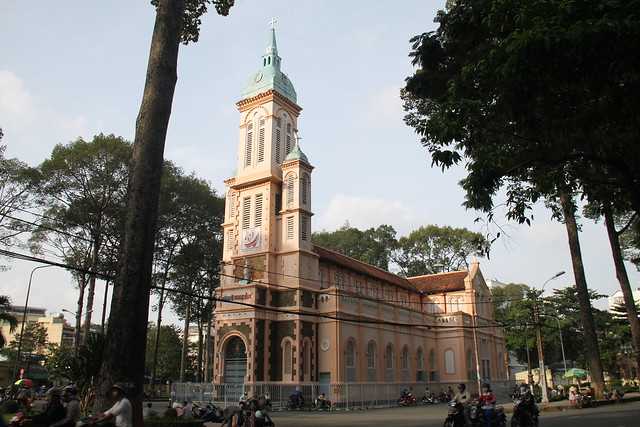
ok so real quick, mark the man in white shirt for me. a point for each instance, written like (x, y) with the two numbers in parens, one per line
(121, 410)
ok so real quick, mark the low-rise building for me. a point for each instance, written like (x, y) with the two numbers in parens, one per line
(59, 332)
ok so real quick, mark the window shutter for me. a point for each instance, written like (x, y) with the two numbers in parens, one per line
(289, 227)
(303, 227)
(288, 146)
(257, 220)
(305, 188)
(246, 212)
(290, 192)
(261, 142)
(248, 146)
(230, 239)
(232, 205)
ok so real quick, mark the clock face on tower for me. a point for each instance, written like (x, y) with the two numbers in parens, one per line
(258, 77)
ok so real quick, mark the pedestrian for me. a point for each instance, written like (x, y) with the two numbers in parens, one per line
(573, 395)
(120, 411)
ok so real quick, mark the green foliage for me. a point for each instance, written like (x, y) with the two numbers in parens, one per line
(6, 317)
(34, 341)
(517, 90)
(373, 246)
(64, 366)
(82, 190)
(169, 346)
(192, 18)
(433, 249)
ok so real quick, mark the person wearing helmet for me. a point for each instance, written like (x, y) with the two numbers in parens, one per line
(488, 401)
(53, 412)
(120, 411)
(72, 410)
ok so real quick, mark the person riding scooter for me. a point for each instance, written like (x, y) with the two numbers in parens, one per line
(487, 401)
(462, 398)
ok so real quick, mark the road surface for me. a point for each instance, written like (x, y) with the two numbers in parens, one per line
(621, 415)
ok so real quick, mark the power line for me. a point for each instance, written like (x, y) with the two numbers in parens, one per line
(255, 306)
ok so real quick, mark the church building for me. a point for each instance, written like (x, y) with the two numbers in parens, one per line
(296, 313)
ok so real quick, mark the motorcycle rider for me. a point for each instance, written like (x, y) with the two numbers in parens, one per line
(487, 402)
(526, 406)
(462, 397)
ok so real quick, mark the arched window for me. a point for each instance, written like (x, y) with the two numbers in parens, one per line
(278, 144)
(290, 189)
(304, 184)
(404, 358)
(432, 360)
(420, 374)
(306, 360)
(287, 360)
(248, 145)
(261, 141)
(371, 360)
(350, 360)
(389, 363)
(449, 362)
(288, 140)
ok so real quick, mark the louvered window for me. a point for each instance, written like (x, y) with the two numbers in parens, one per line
(278, 203)
(289, 139)
(232, 205)
(304, 224)
(230, 239)
(305, 188)
(246, 212)
(249, 145)
(289, 227)
(261, 142)
(257, 219)
(278, 144)
(290, 188)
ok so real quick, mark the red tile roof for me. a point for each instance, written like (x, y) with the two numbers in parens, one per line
(362, 267)
(442, 282)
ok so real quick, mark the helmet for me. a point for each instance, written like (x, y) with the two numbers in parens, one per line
(462, 387)
(70, 389)
(119, 387)
(259, 414)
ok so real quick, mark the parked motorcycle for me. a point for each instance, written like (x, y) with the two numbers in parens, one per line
(407, 399)
(584, 401)
(455, 415)
(209, 413)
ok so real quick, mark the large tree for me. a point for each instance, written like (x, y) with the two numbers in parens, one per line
(433, 249)
(373, 246)
(534, 96)
(168, 361)
(82, 190)
(176, 21)
(6, 318)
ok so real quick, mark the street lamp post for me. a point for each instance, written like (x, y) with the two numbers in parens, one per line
(543, 371)
(24, 318)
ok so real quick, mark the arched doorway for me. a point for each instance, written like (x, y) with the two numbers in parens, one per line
(235, 361)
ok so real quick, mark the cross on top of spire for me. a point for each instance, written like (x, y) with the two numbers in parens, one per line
(273, 23)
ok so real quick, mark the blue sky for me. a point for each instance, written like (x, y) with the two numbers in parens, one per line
(75, 68)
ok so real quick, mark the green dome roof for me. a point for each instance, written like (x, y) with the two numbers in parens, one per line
(270, 76)
(297, 154)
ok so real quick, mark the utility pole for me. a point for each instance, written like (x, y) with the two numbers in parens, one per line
(543, 372)
(529, 374)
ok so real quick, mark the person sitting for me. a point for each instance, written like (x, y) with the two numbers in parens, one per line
(120, 412)
(148, 411)
(72, 408)
(322, 402)
(53, 412)
(297, 401)
(244, 398)
(187, 409)
(488, 401)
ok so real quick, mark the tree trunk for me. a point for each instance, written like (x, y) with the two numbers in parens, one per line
(127, 332)
(156, 344)
(92, 289)
(623, 279)
(200, 351)
(82, 284)
(185, 344)
(592, 352)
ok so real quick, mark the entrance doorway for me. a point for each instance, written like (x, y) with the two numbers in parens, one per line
(235, 361)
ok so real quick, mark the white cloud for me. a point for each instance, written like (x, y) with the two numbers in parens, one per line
(364, 212)
(384, 107)
(16, 103)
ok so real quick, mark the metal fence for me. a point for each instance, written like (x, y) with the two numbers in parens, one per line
(345, 396)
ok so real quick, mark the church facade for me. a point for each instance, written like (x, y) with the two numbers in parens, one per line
(295, 313)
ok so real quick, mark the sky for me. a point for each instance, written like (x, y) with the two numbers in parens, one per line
(76, 68)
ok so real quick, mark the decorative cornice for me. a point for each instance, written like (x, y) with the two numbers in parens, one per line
(270, 95)
(296, 162)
